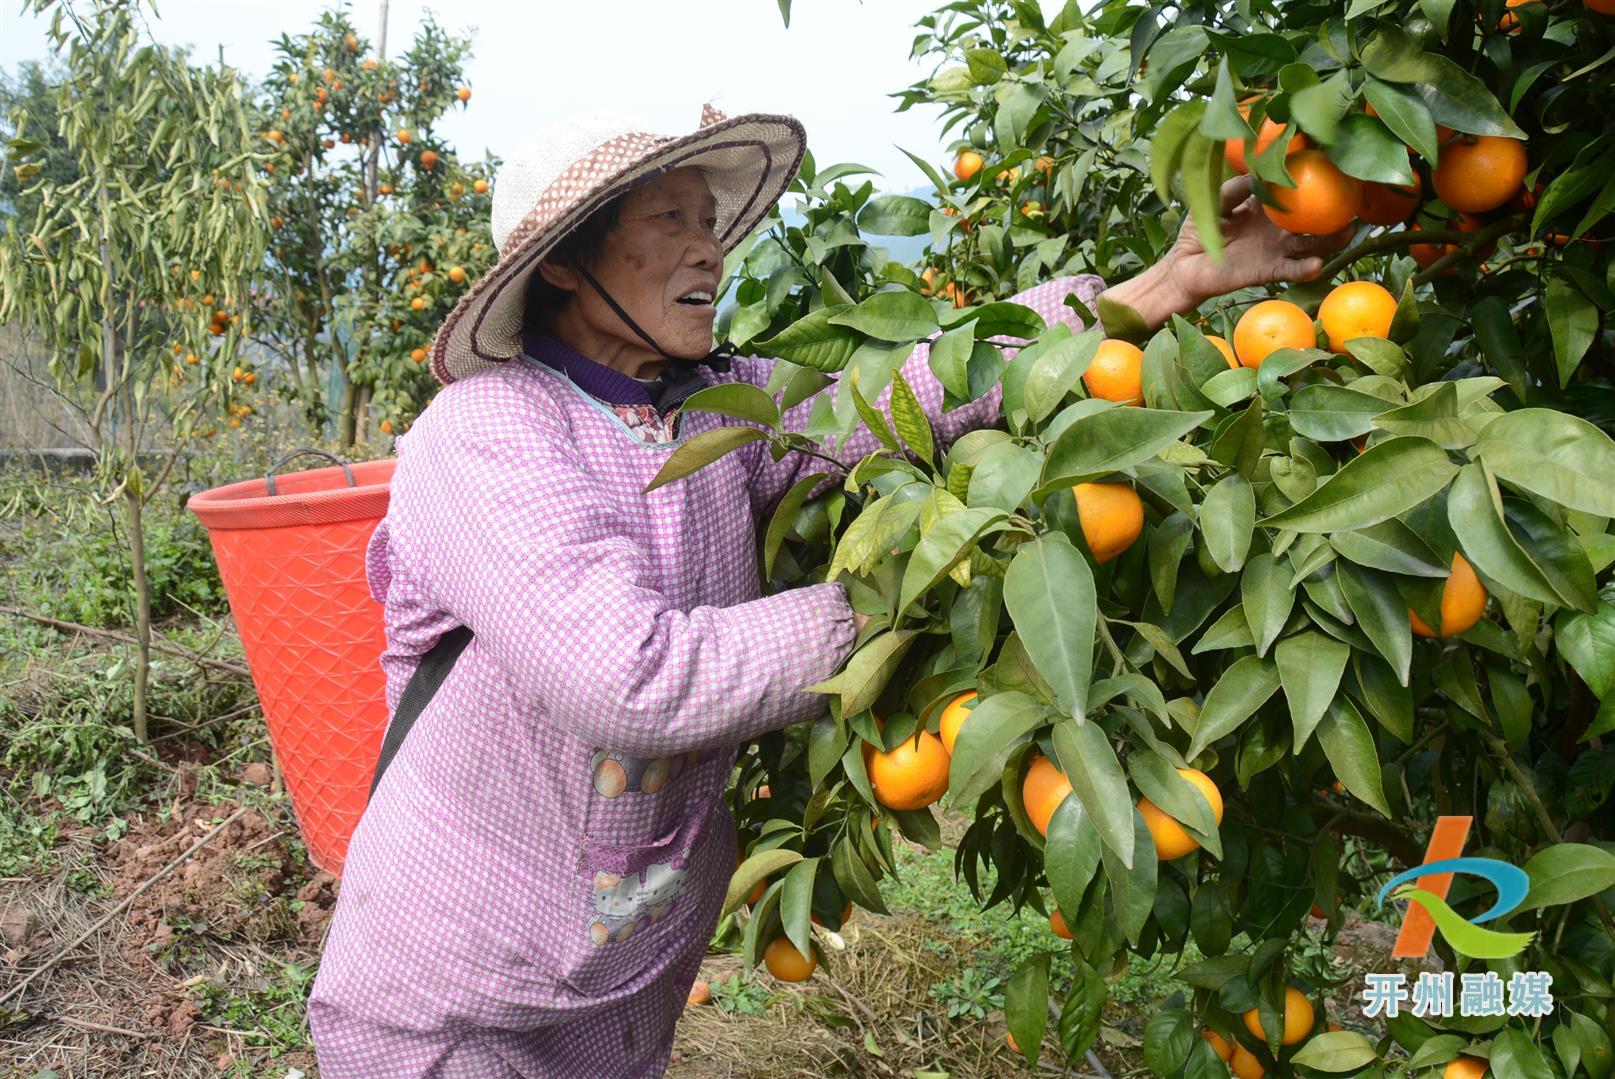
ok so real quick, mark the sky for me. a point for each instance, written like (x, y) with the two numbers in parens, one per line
(534, 63)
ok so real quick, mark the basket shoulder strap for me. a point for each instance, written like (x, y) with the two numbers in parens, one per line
(433, 668)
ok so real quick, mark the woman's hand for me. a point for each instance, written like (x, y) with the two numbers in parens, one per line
(1255, 251)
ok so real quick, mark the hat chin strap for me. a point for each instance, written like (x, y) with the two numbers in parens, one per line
(718, 358)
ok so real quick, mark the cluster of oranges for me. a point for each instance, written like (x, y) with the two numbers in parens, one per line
(1299, 1020)
(1472, 175)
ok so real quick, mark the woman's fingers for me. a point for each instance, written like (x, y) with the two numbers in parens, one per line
(1234, 192)
(1326, 244)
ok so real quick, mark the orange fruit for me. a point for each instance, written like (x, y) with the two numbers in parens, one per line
(1244, 1064)
(351, 42)
(1479, 172)
(403, 136)
(1116, 373)
(1044, 165)
(1390, 204)
(1171, 841)
(1463, 601)
(1323, 200)
(1057, 923)
(1426, 254)
(418, 355)
(1010, 1038)
(1044, 788)
(1270, 326)
(384, 189)
(418, 303)
(953, 717)
(967, 164)
(1298, 1018)
(428, 160)
(955, 292)
(911, 776)
(346, 136)
(463, 93)
(700, 993)
(1317, 912)
(928, 281)
(480, 186)
(1510, 22)
(1356, 309)
(1111, 515)
(1225, 348)
(1465, 1068)
(386, 427)
(276, 137)
(456, 274)
(1219, 1044)
(190, 357)
(1603, 7)
(1234, 151)
(846, 912)
(1335, 1027)
(786, 963)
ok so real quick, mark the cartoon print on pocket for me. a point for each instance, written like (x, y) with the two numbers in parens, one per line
(625, 905)
(616, 774)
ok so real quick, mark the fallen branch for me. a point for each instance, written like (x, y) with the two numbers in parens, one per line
(85, 1024)
(17, 989)
(113, 635)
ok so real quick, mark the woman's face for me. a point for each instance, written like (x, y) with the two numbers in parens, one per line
(663, 249)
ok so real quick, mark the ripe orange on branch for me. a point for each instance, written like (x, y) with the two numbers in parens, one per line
(953, 718)
(967, 164)
(428, 160)
(1171, 840)
(1042, 791)
(1270, 326)
(1356, 309)
(1233, 151)
(1219, 1044)
(786, 963)
(1323, 200)
(1479, 172)
(1463, 601)
(1465, 1068)
(1244, 1064)
(1225, 348)
(1116, 373)
(1112, 517)
(911, 775)
(1390, 204)
(1298, 1018)
(1057, 924)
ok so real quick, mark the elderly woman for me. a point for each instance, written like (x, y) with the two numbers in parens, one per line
(534, 884)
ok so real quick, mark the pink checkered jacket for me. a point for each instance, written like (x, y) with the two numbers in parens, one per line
(545, 860)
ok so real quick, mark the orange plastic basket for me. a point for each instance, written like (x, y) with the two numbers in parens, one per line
(290, 551)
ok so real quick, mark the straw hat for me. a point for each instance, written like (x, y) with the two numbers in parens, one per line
(554, 182)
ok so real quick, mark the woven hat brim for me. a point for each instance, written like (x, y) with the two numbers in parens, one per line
(749, 162)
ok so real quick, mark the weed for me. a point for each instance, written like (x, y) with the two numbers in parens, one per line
(740, 997)
(971, 993)
(270, 1018)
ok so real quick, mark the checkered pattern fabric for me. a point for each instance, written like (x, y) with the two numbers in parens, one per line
(532, 888)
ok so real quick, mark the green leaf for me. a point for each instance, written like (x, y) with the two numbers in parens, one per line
(796, 904)
(896, 215)
(784, 513)
(996, 725)
(1265, 590)
(1049, 593)
(1568, 872)
(998, 319)
(1587, 641)
(1557, 552)
(1227, 520)
(1112, 440)
(1435, 417)
(701, 451)
(1515, 1054)
(1384, 480)
(1333, 413)
(1310, 667)
(1461, 101)
(872, 534)
(1243, 688)
(1166, 148)
(758, 867)
(741, 400)
(1487, 541)
(908, 417)
(1070, 853)
(1573, 323)
(1365, 149)
(1231, 630)
(1404, 113)
(1336, 1051)
(1561, 457)
(1084, 753)
(813, 341)
(1084, 1006)
(1391, 546)
(1026, 1004)
(1169, 1036)
(941, 546)
(1055, 372)
(1167, 544)
(1349, 745)
(867, 671)
(1132, 887)
(894, 315)
(1318, 109)
(1202, 184)
(950, 359)
(1002, 476)
(1381, 614)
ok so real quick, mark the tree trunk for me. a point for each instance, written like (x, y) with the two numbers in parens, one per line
(350, 394)
(133, 507)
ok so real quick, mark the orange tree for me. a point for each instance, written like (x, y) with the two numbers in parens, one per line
(378, 225)
(1322, 585)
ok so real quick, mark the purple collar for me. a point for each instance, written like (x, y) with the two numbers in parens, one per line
(594, 379)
